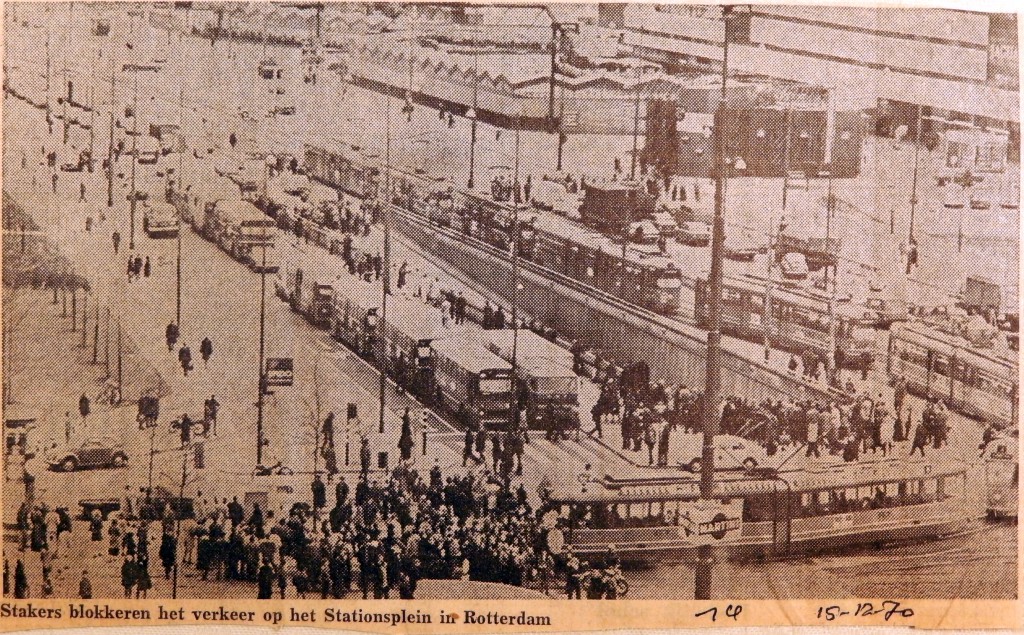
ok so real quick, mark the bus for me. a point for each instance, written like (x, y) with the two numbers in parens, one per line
(468, 374)
(409, 331)
(544, 367)
(355, 316)
(1002, 474)
(978, 382)
(794, 319)
(242, 230)
(308, 287)
(650, 518)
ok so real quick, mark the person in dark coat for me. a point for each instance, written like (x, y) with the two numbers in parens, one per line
(147, 269)
(185, 358)
(85, 587)
(405, 442)
(467, 449)
(235, 512)
(171, 335)
(129, 575)
(20, 581)
(206, 350)
(168, 553)
(364, 457)
(265, 582)
(256, 521)
(83, 406)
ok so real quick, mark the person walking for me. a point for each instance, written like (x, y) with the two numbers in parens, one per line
(116, 239)
(171, 335)
(364, 458)
(206, 350)
(85, 587)
(20, 581)
(265, 581)
(405, 442)
(129, 575)
(147, 269)
(185, 358)
(467, 447)
(81, 192)
(168, 553)
(813, 433)
(210, 408)
(460, 309)
(83, 406)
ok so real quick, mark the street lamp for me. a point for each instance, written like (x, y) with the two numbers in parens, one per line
(471, 115)
(261, 382)
(711, 415)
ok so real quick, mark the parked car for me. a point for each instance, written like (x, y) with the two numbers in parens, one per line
(794, 266)
(93, 452)
(731, 452)
(695, 233)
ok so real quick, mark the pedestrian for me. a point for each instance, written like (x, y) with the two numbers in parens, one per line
(85, 587)
(20, 581)
(265, 581)
(403, 274)
(488, 316)
(137, 267)
(185, 429)
(210, 409)
(147, 268)
(467, 447)
(460, 309)
(116, 238)
(168, 553)
(405, 442)
(143, 583)
(54, 181)
(920, 439)
(171, 335)
(865, 365)
(446, 311)
(129, 575)
(206, 350)
(81, 192)
(495, 451)
(813, 433)
(185, 358)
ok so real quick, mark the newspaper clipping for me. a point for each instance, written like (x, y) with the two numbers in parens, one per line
(481, 318)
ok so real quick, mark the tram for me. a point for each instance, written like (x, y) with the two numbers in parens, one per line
(797, 321)
(1002, 474)
(649, 518)
(653, 282)
(977, 382)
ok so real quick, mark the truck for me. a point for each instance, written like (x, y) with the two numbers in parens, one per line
(246, 233)
(160, 219)
(819, 251)
(981, 296)
(611, 207)
(308, 288)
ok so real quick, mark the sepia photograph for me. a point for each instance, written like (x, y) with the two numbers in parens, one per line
(560, 301)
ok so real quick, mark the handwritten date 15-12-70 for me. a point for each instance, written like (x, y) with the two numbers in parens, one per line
(889, 609)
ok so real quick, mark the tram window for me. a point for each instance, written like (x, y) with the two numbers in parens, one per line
(940, 364)
(928, 490)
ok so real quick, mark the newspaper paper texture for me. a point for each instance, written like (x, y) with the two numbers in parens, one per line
(445, 317)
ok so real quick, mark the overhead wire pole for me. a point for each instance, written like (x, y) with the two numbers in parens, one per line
(177, 195)
(110, 144)
(135, 158)
(913, 190)
(766, 320)
(260, 381)
(387, 248)
(515, 283)
(713, 373)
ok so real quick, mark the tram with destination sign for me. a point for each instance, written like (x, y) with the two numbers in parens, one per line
(650, 517)
(1002, 474)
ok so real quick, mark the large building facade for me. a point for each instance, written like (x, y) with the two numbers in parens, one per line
(958, 66)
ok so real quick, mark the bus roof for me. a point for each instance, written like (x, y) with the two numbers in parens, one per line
(415, 320)
(239, 210)
(529, 346)
(468, 355)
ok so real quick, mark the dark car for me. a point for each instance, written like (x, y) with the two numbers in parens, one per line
(91, 453)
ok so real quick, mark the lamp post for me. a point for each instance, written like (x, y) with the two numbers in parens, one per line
(386, 286)
(135, 158)
(636, 127)
(911, 249)
(261, 383)
(710, 417)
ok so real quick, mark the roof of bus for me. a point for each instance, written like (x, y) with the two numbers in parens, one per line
(468, 355)
(654, 484)
(240, 210)
(933, 339)
(528, 345)
(414, 319)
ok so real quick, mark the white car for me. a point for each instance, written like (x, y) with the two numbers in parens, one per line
(794, 266)
(694, 233)
(731, 452)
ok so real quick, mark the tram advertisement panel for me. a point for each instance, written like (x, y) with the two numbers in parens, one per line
(491, 318)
